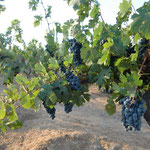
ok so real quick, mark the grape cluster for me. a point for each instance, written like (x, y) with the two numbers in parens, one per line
(62, 67)
(103, 41)
(50, 52)
(75, 48)
(68, 107)
(130, 50)
(132, 113)
(49, 110)
(3, 57)
(143, 47)
(106, 90)
(74, 81)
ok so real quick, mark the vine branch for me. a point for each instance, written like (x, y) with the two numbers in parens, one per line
(45, 15)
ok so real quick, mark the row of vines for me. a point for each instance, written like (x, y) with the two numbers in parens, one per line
(116, 57)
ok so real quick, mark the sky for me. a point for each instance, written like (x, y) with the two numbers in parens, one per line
(19, 9)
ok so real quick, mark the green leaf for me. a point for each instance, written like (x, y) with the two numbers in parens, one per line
(87, 97)
(2, 110)
(2, 8)
(33, 4)
(141, 22)
(97, 33)
(26, 101)
(63, 49)
(85, 51)
(105, 59)
(53, 64)
(75, 3)
(109, 43)
(94, 11)
(58, 27)
(123, 78)
(34, 82)
(48, 12)
(53, 97)
(110, 109)
(62, 92)
(37, 21)
(125, 6)
(78, 100)
(15, 125)
(11, 113)
(40, 68)
(35, 103)
(20, 79)
(68, 60)
(136, 79)
(103, 75)
(12, 92)
(2, 127)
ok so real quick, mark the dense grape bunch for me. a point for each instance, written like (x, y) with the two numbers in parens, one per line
(49, 110)
(75, 48)
(50, 52)
(68, 107)
(143, 48)
(62, 67)
(131, 49)
(132, 113)
(75, 84)
(74, 81)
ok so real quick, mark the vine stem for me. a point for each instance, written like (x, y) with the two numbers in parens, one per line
(45, 15)
(145, 58)
(134, 8)
(142, 65)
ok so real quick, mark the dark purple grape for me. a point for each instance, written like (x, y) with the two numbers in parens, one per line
(75, 48)
(132, 113)
(49, 110)
(68, 107)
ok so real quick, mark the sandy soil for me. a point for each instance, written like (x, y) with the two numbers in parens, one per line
(86, 128)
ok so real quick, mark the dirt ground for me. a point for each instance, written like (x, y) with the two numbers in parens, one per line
(86, 128)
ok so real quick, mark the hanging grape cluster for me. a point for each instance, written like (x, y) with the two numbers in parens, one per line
(144, 45)
(74, 81)
(50, 111)
(50, 52)
(68, 107)
(62, 67)
(132, 113)
(75, 48)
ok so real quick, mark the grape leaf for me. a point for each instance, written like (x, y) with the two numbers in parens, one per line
(37, 21)
(11, 113)
(94, 11)
(141, 22)
(20, 79)
(97, 33)
(110, 108)
(15, 125)
(103, 75)
(125, 6)
(26, 101)
(2, 110)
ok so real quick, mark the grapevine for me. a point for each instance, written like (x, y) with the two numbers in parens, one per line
(114, 57)
(132, 113)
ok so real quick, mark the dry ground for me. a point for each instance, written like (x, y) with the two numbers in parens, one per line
(86, 128)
